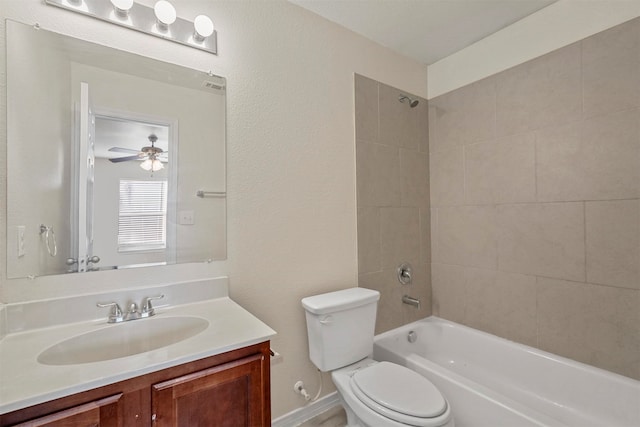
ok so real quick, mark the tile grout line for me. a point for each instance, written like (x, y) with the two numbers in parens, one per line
(584, 224)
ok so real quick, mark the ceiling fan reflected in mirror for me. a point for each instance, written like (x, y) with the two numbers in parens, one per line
(151, 156)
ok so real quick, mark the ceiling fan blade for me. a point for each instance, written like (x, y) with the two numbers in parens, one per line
(124, 159)
(123, 150)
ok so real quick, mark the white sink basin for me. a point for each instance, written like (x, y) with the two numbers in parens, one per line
(123, 339)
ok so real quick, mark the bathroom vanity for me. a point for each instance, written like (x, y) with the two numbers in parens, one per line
(211, 391)
(201, 360)
(156, 371)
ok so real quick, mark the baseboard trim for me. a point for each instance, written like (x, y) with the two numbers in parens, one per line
(300, 415)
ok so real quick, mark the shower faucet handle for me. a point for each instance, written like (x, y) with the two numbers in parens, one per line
(405, 273)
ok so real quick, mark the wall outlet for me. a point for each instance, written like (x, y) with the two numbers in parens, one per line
(185, 218)
(21, 231)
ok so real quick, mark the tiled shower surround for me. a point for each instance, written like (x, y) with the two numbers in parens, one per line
(535, 186)
(392, 169)
(534, 181)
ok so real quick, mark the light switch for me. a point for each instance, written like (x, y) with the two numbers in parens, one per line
(185, 218)
(21, 231)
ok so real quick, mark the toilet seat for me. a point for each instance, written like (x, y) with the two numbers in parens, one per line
(399, 393)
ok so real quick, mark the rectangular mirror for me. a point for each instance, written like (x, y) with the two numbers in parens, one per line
(114, 160)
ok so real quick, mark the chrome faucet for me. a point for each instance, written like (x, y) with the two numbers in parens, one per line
(147, 308)
(411, 301)
(117, 316)
(133, 312)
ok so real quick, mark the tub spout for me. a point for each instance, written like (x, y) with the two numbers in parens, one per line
(411, 301)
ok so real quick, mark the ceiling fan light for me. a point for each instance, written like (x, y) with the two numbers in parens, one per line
(156, 165)
(146, 165)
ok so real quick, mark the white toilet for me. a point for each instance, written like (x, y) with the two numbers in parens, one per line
(374, 394)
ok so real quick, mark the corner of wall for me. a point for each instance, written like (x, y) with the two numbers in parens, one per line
(550, 28)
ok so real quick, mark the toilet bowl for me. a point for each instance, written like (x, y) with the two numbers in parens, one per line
(383, 394)
(340, 326)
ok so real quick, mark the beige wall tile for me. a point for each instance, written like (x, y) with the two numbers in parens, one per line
(540, 93)
(467, 235)
(369, 255)
(464, 116)
(400, 236)
(378, 175)
(420, 288)
(502, 171)
(433, 135)
(448, 291)
(447, 177)
(611, 66)
(613, 243)
(597, 159)
(425, 235)
(574, 216)
(598, 325)
(414, 178)
(423, 125)
(399, 123)
(390, 313)
(392, 170)
(542, 239)
(366, 109)
(503, 304)
(435, 257)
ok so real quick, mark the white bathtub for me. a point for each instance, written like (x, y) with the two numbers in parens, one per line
(493, 382)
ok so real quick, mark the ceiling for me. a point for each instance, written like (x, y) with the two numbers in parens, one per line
(128, 134)
(426, 30)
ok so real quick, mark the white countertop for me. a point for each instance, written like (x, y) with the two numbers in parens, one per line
(25, 382)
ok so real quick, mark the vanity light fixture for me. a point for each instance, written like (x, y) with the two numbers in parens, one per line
(76, 5)
(161, 20)
(165, 15)
(202, 28)
(121, 8)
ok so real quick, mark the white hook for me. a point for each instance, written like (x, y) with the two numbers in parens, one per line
(49, 239)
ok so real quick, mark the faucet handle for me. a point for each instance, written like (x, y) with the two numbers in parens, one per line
(116, 312)
(147, 307)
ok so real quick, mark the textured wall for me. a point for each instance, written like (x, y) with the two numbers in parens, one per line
(535, 178)
(392, 166)
(291, 160)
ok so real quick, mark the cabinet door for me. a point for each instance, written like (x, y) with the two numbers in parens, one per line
(231, 394)
(99, 413)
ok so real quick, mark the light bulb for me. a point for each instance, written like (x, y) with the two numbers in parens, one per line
(165, 14)
(203, 28)
(146, 165)
(156, 165)
(122, 7)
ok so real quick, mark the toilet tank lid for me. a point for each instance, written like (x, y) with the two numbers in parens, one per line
(340, 300)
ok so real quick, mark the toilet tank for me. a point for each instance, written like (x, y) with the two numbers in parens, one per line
(341, 326)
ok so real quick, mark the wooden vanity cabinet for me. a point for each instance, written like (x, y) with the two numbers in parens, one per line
(229, 389)
(103, 412)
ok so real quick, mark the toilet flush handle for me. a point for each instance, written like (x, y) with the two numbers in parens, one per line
(326, 320)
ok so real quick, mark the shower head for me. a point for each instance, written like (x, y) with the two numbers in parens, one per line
(412, 102)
